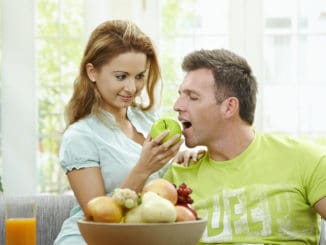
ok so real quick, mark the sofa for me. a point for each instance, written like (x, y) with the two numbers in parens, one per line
(52, 210)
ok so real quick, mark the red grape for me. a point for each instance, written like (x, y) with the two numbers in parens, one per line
(184, 194)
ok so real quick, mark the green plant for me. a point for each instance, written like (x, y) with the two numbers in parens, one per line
(1, 189)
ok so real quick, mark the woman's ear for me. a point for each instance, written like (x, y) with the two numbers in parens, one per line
(230, 107)
(91, 72)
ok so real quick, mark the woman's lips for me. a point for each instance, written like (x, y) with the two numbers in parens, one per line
(126, 98)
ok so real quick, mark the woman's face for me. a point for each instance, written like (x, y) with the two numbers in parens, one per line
(120, 80)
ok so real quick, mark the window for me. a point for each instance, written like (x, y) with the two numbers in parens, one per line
(285, 47)
(294, 85)
(288, 59)
(59, 48)
(185, 26)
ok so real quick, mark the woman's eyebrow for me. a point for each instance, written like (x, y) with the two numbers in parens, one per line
(144, 71)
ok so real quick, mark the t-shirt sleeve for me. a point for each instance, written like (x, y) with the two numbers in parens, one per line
(78, 150)
(317, 182)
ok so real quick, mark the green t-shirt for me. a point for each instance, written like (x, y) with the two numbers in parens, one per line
(263, 196)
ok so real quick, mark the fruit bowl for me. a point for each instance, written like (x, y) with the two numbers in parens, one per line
(176, 233)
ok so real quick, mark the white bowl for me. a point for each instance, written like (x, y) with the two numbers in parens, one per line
(176, 233)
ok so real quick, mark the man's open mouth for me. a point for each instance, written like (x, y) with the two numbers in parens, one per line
(186, 124)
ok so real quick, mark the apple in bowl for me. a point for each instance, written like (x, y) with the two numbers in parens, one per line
(104, 209)
(163, 188)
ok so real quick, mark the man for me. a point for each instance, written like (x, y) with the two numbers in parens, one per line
(252, 188)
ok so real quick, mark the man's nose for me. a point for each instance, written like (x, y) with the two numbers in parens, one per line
(177, 104)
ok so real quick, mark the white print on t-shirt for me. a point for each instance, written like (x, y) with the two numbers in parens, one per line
(237, 211)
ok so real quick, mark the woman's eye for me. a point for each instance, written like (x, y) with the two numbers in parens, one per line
(140, 76)
(120, 77)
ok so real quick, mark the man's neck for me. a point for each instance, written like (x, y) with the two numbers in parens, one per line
(232, 144)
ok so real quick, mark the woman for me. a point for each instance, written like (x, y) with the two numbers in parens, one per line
(105, 144)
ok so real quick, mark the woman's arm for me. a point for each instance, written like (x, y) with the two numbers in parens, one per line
(86, 184)
(152, 158)
(320, 207)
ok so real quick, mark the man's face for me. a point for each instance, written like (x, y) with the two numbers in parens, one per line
(197, 108)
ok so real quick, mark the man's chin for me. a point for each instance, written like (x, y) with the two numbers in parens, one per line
(189, 143)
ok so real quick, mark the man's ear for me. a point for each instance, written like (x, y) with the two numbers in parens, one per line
(91, 72)
(230, 107)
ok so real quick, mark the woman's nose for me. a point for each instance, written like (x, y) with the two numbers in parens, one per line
(131, 85)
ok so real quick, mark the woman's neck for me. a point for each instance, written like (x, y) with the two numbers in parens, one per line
(126, 125)
(119, 114)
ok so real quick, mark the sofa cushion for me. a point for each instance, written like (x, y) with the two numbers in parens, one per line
(323, 232)
(52, 210)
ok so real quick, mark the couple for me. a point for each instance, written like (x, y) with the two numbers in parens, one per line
(251, 187)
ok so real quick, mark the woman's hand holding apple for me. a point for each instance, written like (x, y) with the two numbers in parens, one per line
(157, 151)
(161, 146)
(152, 158)
(155, 155)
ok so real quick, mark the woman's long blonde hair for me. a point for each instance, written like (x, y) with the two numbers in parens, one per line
(107, 41)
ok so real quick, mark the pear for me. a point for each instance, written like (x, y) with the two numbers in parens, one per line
(156, 209)
(134, 215)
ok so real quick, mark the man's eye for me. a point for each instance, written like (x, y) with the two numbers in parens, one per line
(193, 98)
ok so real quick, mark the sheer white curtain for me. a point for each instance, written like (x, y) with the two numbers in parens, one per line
(18, 105)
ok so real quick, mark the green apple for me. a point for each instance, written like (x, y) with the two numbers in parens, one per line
(163, 124)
